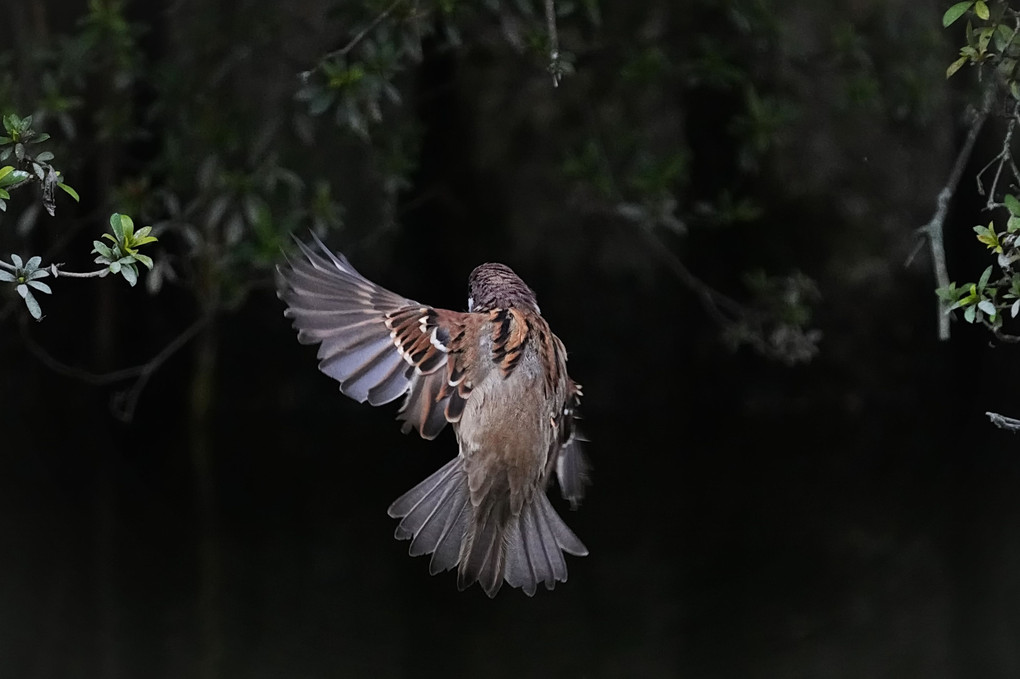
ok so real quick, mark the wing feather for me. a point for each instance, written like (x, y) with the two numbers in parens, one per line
(378, 345)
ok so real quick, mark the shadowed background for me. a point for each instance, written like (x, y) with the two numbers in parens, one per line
(849, 517)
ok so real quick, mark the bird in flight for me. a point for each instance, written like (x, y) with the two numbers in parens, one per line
(497, 373)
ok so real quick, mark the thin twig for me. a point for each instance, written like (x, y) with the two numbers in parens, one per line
(363, 32)
(60, 273)
(933, 229)
(1004, 156)
(722, 308)
(1002, 336)
(1003, 422)
(554, 41)
(125, 402)
(57, 272)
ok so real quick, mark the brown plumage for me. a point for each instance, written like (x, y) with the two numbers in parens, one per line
(497, 373)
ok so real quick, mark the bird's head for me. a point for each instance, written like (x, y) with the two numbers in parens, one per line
(496, 286)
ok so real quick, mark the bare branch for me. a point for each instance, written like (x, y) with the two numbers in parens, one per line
(57, 272)
(554, 41)
(363, 32)
(1001, 335)
(1003, 156)
(1003, 422)
(722, 308)
(124, 402)
(933, 229)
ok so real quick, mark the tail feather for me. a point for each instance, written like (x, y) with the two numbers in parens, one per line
(519, 571)
(553, 555)
(485, 552)
(565, 538)
(447, 553)
(489, 543)
(414, 507)
(433, 527)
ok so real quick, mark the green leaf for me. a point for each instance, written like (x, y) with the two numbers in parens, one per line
(1012, 204)
(981, 9)
(102, 249)
(985, 276)
(143, 259)
(963, 301)
(14, 177)
(986, 306)
(955, 12)
(1015, 309)
(955, 66)
(118, 230)
(127, 227)
(44, 157)
(130, 274)
(71, 192)
(947, 293)
(40, 286)
(987, 235)
(30, 302)
(970, 314)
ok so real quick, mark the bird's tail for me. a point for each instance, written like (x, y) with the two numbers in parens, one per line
(488, 543)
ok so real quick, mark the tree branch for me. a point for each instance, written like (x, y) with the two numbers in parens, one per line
(554, 41)
(722, 308)
(125, 402)
(934, 228)
(1003, 422)
(363, 32)
(57, 272)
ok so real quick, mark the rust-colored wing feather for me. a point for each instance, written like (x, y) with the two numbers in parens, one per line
(375, 343)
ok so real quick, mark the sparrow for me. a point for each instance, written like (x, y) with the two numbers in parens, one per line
(496, 373)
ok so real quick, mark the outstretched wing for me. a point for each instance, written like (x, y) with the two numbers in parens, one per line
(375, 343)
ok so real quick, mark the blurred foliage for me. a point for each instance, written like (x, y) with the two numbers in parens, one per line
(18, 142)
(215, 124)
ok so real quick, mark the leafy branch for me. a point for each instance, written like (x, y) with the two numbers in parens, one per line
(992, 44)
(120, 258)
(19, 141)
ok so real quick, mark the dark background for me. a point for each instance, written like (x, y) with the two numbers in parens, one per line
(855, 516)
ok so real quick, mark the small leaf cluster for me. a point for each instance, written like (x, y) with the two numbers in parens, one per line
(986, 300)
(25, 276)
(357, 89)
(978, 300)
(993, 40)
(122, 257)
(359, 80)
(17, 141)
